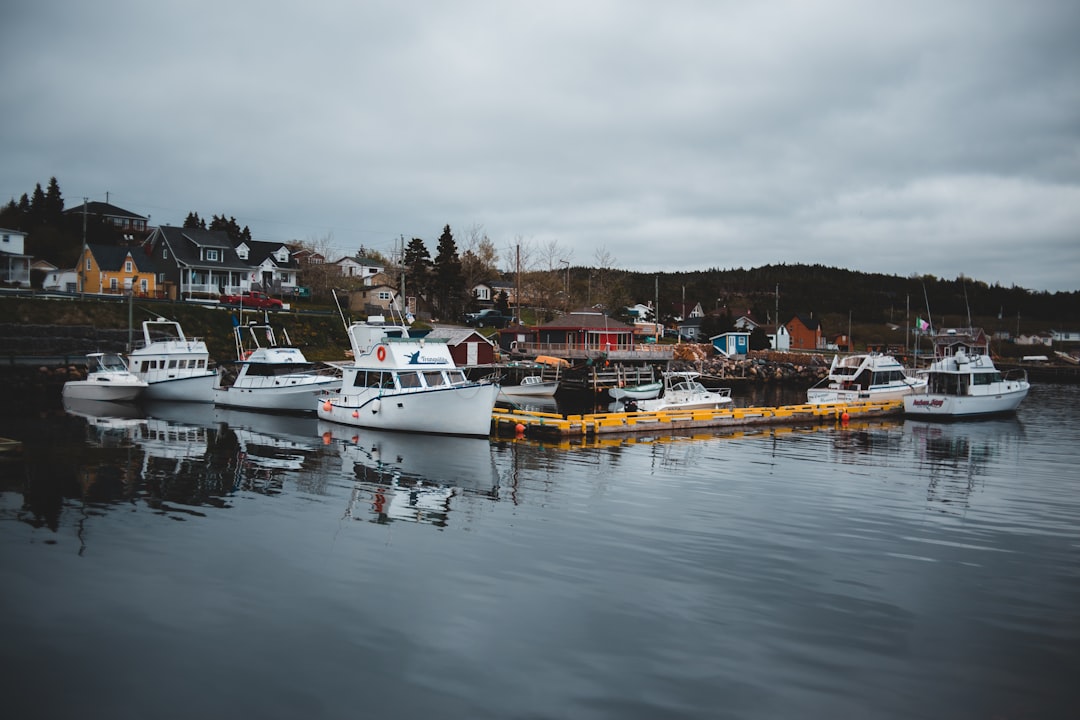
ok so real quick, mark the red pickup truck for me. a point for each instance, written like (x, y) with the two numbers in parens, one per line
(253, 299)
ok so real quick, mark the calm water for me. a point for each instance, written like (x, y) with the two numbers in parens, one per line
(196, 563)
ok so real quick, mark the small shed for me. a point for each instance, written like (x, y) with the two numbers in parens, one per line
(731, 344)
(467, 346)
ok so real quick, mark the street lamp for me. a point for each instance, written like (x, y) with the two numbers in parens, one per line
(566, 287)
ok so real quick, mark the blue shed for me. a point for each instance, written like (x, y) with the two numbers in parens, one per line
(732, 343)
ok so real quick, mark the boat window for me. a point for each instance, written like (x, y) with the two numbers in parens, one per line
(409, 380)
(434, 378)
(987, 378)
(273, 370)
(172, 364)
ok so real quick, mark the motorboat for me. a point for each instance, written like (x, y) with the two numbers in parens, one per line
(532, 386)
(683, 391)
(272, 377)
(644, 391)
(107, 378)
(963, 382)
(174, 366)
(411, 384)
(865, 377)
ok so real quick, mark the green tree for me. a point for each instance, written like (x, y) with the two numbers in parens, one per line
(448, 284)
(417, 263)
(53, 204)
(231, 228)
(194, 222)
(759, 340)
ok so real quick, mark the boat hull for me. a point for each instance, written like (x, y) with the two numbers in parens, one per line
(829, 395)
(300, 398)
(194, 388)
(637, 392)
(114, 392)
(456, 410)
(965, 406)
(546, 389)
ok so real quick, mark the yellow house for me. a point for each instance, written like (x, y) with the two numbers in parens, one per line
(116, 270)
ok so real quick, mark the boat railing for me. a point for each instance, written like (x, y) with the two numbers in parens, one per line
(1015, 375)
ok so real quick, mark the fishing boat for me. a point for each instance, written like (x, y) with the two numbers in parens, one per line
(272, 377)
(174, 366)
(963, 382)
(107, 378)
(683, 391)
(865, 377)
(412, 384)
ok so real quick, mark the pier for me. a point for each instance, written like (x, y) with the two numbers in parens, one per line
(553, 425)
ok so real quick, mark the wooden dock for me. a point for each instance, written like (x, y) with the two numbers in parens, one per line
(510, 422)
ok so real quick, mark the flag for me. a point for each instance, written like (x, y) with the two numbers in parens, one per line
(921, 325)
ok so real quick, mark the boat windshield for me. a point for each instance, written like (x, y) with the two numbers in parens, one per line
(111, 363)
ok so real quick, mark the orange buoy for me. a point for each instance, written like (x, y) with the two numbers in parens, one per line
(326, 406)
(519, 428)
(355, 413)
(844, 418)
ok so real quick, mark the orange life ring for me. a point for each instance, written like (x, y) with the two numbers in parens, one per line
(247, 354)
(381, 353)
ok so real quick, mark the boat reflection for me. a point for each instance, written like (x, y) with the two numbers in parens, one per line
(412, 477)
(108, 424)
(955, 455)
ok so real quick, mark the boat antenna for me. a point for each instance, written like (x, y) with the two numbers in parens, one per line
(966, 305)
(340, 313)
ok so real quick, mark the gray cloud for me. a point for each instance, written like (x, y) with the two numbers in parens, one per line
(885, 137)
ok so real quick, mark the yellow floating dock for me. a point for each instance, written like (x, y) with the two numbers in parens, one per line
(555, 425)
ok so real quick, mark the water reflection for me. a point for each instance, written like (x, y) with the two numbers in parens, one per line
(955, 455)
(417, 478)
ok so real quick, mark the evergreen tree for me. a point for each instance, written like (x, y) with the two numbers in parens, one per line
(194, 222)
(502, 302)
(53, 204)
(448, 283)
(759, 340)
(417, 262)
(37, 206)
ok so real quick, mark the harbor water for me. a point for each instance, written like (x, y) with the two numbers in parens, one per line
(179, 561)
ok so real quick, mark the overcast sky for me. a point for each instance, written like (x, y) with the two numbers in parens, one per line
(904, 138)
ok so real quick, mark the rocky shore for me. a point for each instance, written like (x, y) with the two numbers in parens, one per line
(759, 366)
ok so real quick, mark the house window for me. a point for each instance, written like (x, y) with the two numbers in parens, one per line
(112, 284)
(7, 238)
(87, 263)
(385, 295)
(285, 278)
(144, 285)
(164, 254)
(127, 266)
(212, 255)
(242, 252)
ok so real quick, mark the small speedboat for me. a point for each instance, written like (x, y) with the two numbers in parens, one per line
(532, 386)
(682, 391)
(107, 378)
(645, 391)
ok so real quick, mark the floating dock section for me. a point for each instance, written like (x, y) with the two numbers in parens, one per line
(541, 424)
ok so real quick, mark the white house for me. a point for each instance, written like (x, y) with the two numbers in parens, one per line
(362, 268)
(779, 337)
(1069, 336)
(14, 265)
(61, 280)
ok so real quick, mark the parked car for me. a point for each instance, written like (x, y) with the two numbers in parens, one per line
(253, 299)
(488, 318)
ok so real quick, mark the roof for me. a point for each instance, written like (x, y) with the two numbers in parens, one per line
(184, 244)
(457, 335)
(808, 322)
(103, 209)
(112, 257)
(586, 319)
(260, 251)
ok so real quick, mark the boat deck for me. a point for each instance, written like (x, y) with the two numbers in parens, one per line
(555, 425)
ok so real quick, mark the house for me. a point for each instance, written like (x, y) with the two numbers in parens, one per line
(684, 311)
(116, 270)
(1065, 336)
(731, 344)
(375, 300)
(484, 294)
(192, 262)
(133, 226)
(306, 256)
(274, 269)
(745, 321)
(779, 337)
(840, 343)
(690, 329)
(14, 264)
(359, 267)
(1043, 339)
(805, 333)
(586, 330)
(58, 280)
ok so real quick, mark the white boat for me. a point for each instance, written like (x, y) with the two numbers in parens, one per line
(682, 391)
(272, 377)
(398, 382)
(531, 386)
(963, 382)
(865, 377)
(645, 391)
(175, 367)
(107, 378)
